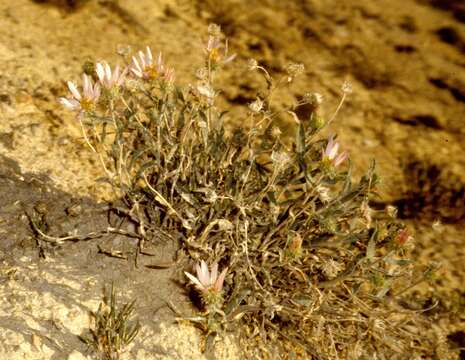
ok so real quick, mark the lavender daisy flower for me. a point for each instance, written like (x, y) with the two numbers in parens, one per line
(110, 79)
(144, 67)
(85, 102)
(330, 153)
(208, 283)
(214, 51)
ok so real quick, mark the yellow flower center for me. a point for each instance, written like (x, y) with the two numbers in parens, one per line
(87, 105)
(152, 72)
(214, 55)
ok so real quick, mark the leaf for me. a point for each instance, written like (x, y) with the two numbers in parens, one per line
(271, 196)
(300, 139)
(348, 180)
(385, 289)
(179, 94)
(304, 300)
(400, 262)
(371, 248)
(147, 165)
(188, 198)
(225, 225)
(223, 113)
(136, 156)
(351, 195)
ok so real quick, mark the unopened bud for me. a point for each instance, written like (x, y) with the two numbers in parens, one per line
(280, 158)
(256, 106)
(314, 99)
(202, 73)
(123, 50)
(214, 30)
(295, 244)
(403, 236)
(252, 64)
(316, 121)
(88, 68)
(391, 211)
(294, 69)
(346, 87)
(276, 132)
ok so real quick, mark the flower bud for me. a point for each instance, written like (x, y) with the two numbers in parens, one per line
(314, 99)
(252, 64)
(256, 106)
(391, 211)
(403, 236)
(346, 87)
(214, 29)
(316, 121)
(276, 132)
(295, 69)
(295, 244)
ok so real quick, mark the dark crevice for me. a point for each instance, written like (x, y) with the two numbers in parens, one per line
(457, 92)
(449, 35)
(407, 49)
(456, 7)
(427, 120)
(433, 194)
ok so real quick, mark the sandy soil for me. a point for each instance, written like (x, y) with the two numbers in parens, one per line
(406, 62)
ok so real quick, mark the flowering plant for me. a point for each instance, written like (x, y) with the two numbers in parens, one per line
(209, 284)
(85, 102)
(304, 247)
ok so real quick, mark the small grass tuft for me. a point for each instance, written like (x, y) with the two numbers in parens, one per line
(111, 331)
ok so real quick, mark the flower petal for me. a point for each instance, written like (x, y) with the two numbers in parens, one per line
(69, 103)
(100, 72)
(96, 92)
(72, 87)
(160, 67)
(143, 64)
(329, 146)
(196, 282)
(214, 272)
(333, 151)
(108, 74)
(341, 158)
(229, 58)
(198, 270)
(135, 65)
(123, 75)
(136, 72)
(86, 87)
(149, 57)
(204, 275)
(115, 75)
(218, 286)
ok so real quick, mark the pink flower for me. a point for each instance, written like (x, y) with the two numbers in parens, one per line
(213, 50)
(144, 67)
(110, 79)
(330, 153)
(205, 281)
(86, 102)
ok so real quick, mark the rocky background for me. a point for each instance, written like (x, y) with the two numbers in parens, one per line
(404, 58)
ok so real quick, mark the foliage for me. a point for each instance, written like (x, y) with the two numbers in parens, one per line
(309, 261)
(111, 332)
